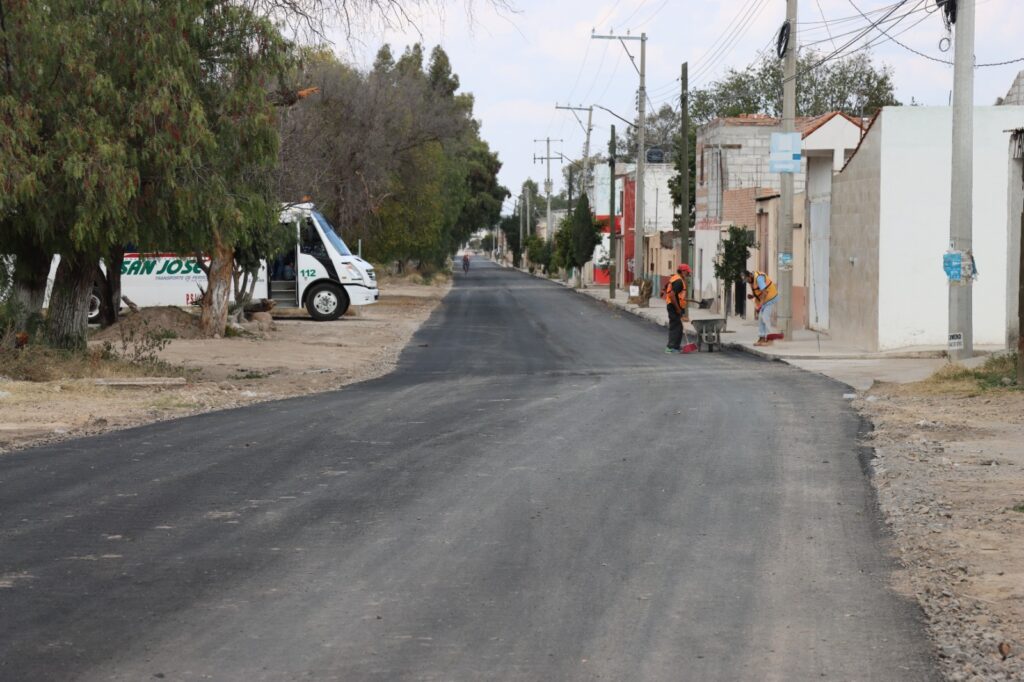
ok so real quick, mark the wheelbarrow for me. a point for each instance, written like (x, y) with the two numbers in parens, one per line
(709, 333)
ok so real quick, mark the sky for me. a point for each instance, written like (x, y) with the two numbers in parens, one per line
(520, 62)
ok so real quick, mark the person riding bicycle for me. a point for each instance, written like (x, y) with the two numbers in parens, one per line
(465, 262)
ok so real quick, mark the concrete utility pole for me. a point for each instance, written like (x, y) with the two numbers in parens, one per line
(1020, 309)
(547, 182)
(641, 154)
(586, 145)
(522, 224)
(529, 215)
(785, 255)
(611, 216)
(684, 110)
(962, 189)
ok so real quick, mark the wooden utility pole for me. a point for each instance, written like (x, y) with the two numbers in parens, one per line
(611, 216)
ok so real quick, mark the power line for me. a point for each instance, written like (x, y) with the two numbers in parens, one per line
(728, 47)
(903, 45)
(850, 42)
(725, 32)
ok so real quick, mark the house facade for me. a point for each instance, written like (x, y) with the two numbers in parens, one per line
(735, 188)
(889, 229)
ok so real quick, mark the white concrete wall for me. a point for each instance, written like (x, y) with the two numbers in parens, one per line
(598, 193)
(658, 208)
(705, 249)
(836, 136)
(914, 224)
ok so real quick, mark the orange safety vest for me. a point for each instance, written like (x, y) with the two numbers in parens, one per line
(668, 293)
(769, 291)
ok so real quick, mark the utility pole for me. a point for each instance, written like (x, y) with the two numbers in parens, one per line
(529, 214)
(570, 187)
(684, 110)
(611, 215)
(961, 195)
(1020, 308)
(586, 145)
(547, 182)
(522, 223)
(785, 249)
(641, 155)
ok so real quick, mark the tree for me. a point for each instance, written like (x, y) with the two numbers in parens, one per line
(579, 235)
(732, 260)
(162, 138)
(851, 84)
(683, 219)
(393, 155)
(509, 226)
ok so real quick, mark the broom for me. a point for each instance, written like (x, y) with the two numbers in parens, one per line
(689, 347)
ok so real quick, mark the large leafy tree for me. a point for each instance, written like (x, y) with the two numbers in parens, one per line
(393, 155)
(853, 84)
(579, 235)
(158, 138)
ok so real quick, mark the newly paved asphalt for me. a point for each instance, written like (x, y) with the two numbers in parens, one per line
(537, 493)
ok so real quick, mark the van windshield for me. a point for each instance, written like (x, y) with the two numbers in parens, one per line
(331, 235)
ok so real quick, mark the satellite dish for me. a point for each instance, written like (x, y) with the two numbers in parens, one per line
(782, 43)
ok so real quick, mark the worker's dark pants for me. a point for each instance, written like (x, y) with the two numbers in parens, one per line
(675, 327)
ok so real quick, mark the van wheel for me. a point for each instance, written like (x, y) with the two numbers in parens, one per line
(94, 307)
(326, 302)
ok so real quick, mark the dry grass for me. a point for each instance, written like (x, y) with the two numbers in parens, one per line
(40, 363)
(998, 373)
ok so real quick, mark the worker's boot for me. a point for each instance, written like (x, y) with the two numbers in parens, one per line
(761, 341)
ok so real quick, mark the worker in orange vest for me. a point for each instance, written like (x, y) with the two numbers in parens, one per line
(765, 293)
(675, 301)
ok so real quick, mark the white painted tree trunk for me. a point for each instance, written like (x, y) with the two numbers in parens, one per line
(214, 316)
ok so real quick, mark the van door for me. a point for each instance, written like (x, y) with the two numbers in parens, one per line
(284, 277)
(314, 258)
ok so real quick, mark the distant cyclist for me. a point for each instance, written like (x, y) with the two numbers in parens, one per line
(465, 262)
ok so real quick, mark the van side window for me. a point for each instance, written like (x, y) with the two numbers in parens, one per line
(309, 240)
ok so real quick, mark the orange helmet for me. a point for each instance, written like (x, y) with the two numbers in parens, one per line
(683, 269)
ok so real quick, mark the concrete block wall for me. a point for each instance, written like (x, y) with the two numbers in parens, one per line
(745, 151)
(854, 246)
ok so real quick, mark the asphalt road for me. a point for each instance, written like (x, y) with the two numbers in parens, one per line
(537, 493)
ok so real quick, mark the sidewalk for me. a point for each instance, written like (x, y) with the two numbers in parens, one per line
(808, 350)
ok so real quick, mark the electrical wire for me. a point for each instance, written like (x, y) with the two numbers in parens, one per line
(634, 12)
(714, 46)
(861, 34)
(931, 57)
(727, 48)
(903, 45)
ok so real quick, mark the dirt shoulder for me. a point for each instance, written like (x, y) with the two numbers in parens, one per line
(297, 356)
(949, 471)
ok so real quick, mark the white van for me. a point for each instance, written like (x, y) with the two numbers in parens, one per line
(319, 273)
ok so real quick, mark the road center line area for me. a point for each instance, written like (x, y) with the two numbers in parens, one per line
(537, 492)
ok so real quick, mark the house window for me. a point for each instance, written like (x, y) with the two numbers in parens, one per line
(702, 165)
